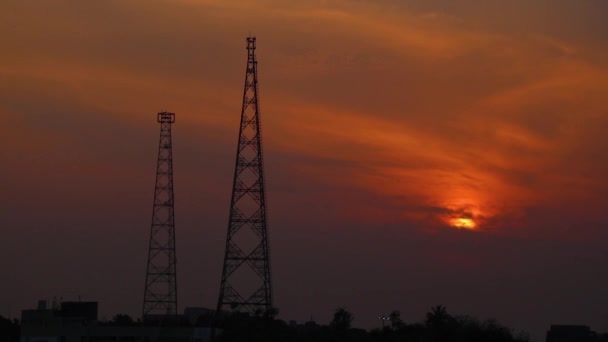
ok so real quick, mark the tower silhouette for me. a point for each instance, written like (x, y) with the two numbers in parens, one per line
(247, 239)
(160, 295)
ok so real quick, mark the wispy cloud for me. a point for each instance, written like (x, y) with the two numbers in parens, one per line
(424, 108)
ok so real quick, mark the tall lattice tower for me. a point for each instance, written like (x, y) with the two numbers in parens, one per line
(160, 295)
(246, 279)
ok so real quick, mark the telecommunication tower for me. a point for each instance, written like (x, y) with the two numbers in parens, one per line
(160, 295)
(248, 212)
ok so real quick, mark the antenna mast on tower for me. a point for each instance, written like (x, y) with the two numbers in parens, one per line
(247, 239)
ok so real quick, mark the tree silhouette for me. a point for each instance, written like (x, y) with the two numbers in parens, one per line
(438, 326)
(342, 319)
(395, 317)
(438, 317)
(122, 320)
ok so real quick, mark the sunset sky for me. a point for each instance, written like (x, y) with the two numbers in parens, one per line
(417, 152)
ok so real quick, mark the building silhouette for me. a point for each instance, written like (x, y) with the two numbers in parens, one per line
(574, 333)
(77, 322)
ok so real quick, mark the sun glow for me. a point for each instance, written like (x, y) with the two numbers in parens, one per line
(463, 223)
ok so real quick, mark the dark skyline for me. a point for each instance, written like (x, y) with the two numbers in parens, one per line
(390, 128)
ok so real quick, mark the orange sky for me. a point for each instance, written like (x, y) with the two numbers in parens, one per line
(438, 107)
(406, 113)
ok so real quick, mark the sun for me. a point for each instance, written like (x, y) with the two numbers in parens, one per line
(463, 223)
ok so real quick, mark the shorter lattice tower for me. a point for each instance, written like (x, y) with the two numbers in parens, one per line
(247, 249)
(160, 295)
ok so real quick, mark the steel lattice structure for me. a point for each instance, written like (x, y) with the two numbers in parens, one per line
(160, 295)
(248, 210)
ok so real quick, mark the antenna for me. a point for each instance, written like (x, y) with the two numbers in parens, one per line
(246, 258)
(160, 293)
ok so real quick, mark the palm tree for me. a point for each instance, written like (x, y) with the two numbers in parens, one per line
(437, 317)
